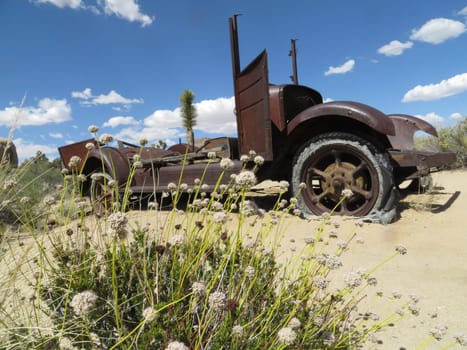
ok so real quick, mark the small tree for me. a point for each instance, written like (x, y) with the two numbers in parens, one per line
(189, 116)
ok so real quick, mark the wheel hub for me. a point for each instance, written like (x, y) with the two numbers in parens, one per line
(338, 178)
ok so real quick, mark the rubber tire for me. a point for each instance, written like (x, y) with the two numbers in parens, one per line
(98, 185)
(383, 209)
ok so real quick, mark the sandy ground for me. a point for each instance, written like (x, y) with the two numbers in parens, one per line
(433, 228)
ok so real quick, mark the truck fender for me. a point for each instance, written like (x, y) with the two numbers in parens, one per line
(112, 160)
(360, 112)
(406, 126)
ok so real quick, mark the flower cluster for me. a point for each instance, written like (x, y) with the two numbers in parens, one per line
(286, 335)
(82, 303)
(217, 301)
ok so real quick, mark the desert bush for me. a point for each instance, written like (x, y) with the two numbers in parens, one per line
(24, 188)
(453, 139)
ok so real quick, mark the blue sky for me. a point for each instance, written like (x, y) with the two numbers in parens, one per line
(122, 64)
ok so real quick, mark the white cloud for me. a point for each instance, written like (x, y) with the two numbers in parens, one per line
(214, 116)
(133, 135)
(345, 68)
(74, 4)
(56, 135)
(463, 12)
(432, 118)
(217, 116)
(438, 30)
(112, 97)
(456, 116)
(28, 150)
(85, 94)
(395, 48)
(47, 111)
(452, 86)
(127, 9)
(120, 120)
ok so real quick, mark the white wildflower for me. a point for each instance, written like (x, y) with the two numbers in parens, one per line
(9, 184)
(438, 332)
(199, 288)
(226, 163)
(220, 217)
(211, 155)
(90, 146)
(117, 221)
(259, 160)
(106, 138)
(286, 336)
(237, 331)
(320, 282)
(250, 271)
(401, 249)
(82, 303)
(93, 129)
(66, 344)
(176, 345)
(294, 323)
(284, 185)
(138, 164)
(302, 185)
(246, 179)
(216, 300)
(24, 200)
(149, 314)
(171, 187)
(347, 192)
(461, 339)
(252, 154)
(74, 161)
(143, 141)
(244, 158)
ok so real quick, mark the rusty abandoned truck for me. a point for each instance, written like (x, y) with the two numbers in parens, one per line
(328, 146)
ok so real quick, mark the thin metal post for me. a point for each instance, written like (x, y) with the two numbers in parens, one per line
(293, 54)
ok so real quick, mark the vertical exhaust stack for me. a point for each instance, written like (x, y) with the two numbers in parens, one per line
(234, 47)
(293, 54)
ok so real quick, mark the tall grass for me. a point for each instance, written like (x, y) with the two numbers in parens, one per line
(205, 277)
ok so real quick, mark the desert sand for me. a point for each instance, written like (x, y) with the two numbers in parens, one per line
(433, 228)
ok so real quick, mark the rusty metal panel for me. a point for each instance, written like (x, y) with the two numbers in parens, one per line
(406, 126)
(423, 160)
(252, 106)
(75, 149)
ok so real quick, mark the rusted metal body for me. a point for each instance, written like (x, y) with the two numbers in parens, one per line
(329, 146)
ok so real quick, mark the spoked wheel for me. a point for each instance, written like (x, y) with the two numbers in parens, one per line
(334, 162)
(102, 193)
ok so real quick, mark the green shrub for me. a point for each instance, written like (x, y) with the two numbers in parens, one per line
(453, 139)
